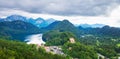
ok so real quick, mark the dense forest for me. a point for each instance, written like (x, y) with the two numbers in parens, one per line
(88, 44)
(10, 49)
(75, 50)
(107, 46)
(80, 51)
(57, 38)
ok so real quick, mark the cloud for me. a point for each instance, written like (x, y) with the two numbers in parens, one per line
(116, 12)
(112, 19)
(62, 7)
(77, 11)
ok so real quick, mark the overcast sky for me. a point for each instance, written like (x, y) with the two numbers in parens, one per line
(76, 11)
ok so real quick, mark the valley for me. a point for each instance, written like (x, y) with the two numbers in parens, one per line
(66, 42)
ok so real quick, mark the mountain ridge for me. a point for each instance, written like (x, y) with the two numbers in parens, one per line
(62, 26)
(39, 22)
(92, 25)
(17, 29)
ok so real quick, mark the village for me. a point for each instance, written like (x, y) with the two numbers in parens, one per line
(54, 49)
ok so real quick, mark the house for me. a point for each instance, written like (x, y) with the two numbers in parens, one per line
(54, 49)
(72, 40)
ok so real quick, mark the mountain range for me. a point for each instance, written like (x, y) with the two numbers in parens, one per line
(18, 27)
(39, 22)
(92, 25)
(65, 25)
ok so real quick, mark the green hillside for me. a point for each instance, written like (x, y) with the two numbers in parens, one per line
(17, 29)
(18, 50)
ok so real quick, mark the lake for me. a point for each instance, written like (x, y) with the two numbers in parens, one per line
(34, 39)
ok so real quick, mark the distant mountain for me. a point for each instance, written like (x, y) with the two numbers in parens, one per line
(62, 26)
(17, 29)
(85, 25)
(97, 25)
(92, 25)
(104, 31)
(50, 20)
(110, 31)
(39, 22)
(15, 17)
(1, 20)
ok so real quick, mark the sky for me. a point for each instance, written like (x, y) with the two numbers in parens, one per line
(76, 11)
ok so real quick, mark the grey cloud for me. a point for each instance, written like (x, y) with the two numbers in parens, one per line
(62, 7)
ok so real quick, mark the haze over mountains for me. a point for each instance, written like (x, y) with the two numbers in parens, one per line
(92, 25)
(19, 25)
(40, 22)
